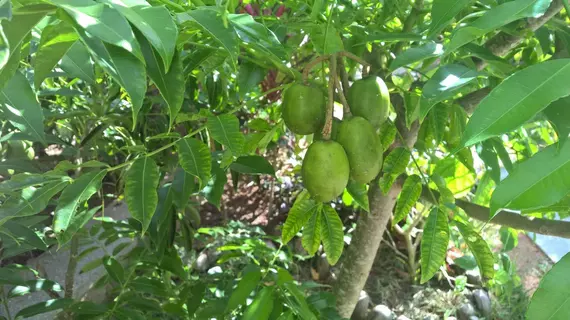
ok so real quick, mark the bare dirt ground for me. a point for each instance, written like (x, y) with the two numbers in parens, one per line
(531, 263)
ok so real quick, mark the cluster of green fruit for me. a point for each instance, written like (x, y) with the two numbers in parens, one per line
(354, 150)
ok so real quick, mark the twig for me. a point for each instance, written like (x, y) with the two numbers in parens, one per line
(396, 251)
(354, 57)
(345, 106)
(312, 64)
(330, 104)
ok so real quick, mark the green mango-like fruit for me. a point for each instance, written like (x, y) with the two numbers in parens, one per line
(304, 109)
(325, 170)
(334, 130)
(369, 98)
(363, 148)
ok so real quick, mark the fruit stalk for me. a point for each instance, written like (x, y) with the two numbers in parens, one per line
(345, 106)
(345, 85)
(311, 65)
(330, 103)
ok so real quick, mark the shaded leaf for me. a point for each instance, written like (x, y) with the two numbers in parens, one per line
(312, 232)
(411, 191)
(261, 307)
(155, 23)
(21, 107)
(43, 307)
(246, 285)
(359, 193)
(252, 165)
(55, 41)
(225, 130)
(34, 286)
(23, 234)
(416, 54)
(535, 183)
(258, 36)
(326, 39)
(150, 286)
(552, 298)
(215, 188)
(140, 190)
(479, 248)
(171, 84)
(194, 158)
(77, 222)
(8, 276)
(495, 18)
(434, 243)
(249, 76)
(442, 12)
(332, 234)
(183, 185)
(114, 269)
(303, 208)
(77, 63)
(75, 195)
(491, 161)
(558, 113)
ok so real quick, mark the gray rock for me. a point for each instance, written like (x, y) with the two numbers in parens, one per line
(473, 318)
(402, 317)
(451, 318)
(465, 311)
(473, 277)
(215, 270)
(361, 309)
(482, 301)
(202, 262)
(381, 312)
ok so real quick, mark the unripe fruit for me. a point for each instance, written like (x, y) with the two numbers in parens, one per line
(325, 170)
(304, 109)
(363, 148)
(369, 98)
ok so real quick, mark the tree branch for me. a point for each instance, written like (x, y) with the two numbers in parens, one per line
(502, 43)
(470, 101)
(510, 219)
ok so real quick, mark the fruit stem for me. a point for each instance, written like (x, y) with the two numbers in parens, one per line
(312, 64)
(343, 91)
(330, 106)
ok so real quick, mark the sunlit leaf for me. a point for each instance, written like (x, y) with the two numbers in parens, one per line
(434, 243)
(77, 63)
(551, 300)
(261, 307)
(312, 232)
(140, 190)
(225, 130)
(194, 157)
(359, 193)
(479, 248)
(252, 165)
(410, 194)
(246, 285)
(416, 54)
(303, 208)
(55, 42)
(332, 233)
(442, 12)
(77, 222)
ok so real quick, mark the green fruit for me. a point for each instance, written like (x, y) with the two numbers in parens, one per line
(334, 130)
(363, 148)
(369, 98)
(304, 109)
(325, 170)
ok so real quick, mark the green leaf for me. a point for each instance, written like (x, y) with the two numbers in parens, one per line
(438, 117)
(155, 23)
(416, 54)
(75, 195)
(215, 187)
(258, 36)
(500, 113)
(16, 31)
(43, 307)
(20, 181)
(102, 22)
(212, 22)
(140, 190)
(225, 130)
(77, 222)
(479, 248)
(442, 12)
(535, 183)
(397, 161)
(249, 76)
(246, 285)
(558, 113)
(495, 18)
(77, 63)
(195, 300)
(410, 194)
(32, 201)
(385, 182)
(261, 307)
(8, 276)
(171, 84)
(88, 308)
(312, 232)
(34, 286)
(194, 157)
(359, 193)
(332, 234)
(150, 285)
(114, 269)
(127, 70)
(381, 36)
(551, 301)
(444, 84)
(387, 134)
(502, 153)
(252, 165)
(25, 235)
(509, 238)
(326, 39)
(183, 185)
(303, 208)
(55, 42)
(21, 107)
(491, 161)
(434, 243)
(497, 65)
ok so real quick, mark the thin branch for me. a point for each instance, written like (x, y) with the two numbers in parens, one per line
(410, 22)
(558, 228)
(330, 104)
(345, 106)
(471, 100)
(312, 64)
(354, 57)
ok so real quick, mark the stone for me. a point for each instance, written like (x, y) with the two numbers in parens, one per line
(202, 262)
(402, 317)
(215, 270)
(381, 312)
(482, 301)
(361, 309)
(465, 311)
(451, 318)
(473, 277)
(473, 318)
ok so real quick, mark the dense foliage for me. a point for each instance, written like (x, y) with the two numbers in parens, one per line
(452, 111)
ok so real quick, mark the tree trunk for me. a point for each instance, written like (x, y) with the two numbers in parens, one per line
(361, 252)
